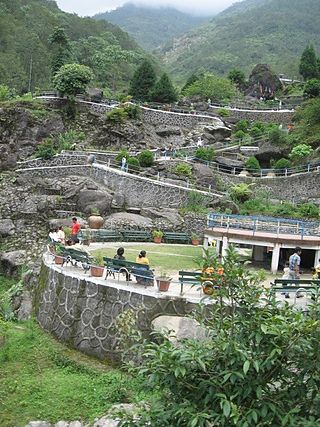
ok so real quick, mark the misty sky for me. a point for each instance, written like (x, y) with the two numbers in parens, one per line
(200, 7)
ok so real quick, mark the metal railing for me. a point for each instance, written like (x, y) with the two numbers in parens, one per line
(264, 224)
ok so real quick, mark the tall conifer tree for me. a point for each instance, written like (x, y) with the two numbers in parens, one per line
(143, 81)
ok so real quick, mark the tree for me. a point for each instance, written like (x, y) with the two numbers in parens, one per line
(72, 79)
(218, 89)
(309, 65)
(143, 81)
(252, 164)
(312, 88)
(163, 90)
(237, 77)
(61, 50)
(192, 79)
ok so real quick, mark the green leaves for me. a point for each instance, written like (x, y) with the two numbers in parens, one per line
(246, 367)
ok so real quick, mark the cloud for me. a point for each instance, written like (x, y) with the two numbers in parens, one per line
(199, 7)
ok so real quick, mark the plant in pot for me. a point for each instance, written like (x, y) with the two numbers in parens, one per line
(58, 258)
(95, 220)
(163, 282)
(86, 236)
(97, 268)
(157, 236)
(195, 239)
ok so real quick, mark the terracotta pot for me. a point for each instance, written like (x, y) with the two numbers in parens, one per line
(208, 289)
(157, 239)
(195, 242)
(97, 271)
(163, 284)
(58, 259)
(95, 221)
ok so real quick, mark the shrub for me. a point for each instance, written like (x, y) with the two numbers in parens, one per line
(242, 125)
(133, 111)
(300, 152)
(282, 164)
(312, 88)
(5, 93)
(146, 158)
(133, 163)
(223, 112)
(197, 203)
(277, 136)
(122, 153)
(207, 154)
(45, 150)
(252, 164)
(183, 169)
(241, 192)
(284, 209)
(67, 140)
(308, 210)
(117, 115)
(256, 132)
(240, 134)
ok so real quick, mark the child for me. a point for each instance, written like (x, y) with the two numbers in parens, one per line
(286, 271)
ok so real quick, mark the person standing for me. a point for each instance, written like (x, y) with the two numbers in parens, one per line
(123, 163)
(294, 264)
(75, 229)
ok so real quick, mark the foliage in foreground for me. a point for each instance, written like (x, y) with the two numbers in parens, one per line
(257, 366)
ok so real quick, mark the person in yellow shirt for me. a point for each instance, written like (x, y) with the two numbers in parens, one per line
(142, 258)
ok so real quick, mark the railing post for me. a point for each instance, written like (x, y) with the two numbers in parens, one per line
(209, 188)
(286, 172)
(278, 229)
(158, 176)
(234, 171)
(188, 183)
(308, 167)
(109, 161)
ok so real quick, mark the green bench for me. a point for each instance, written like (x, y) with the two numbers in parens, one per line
(189, 278)
(104, 235)
(288, 286)
(136, 236)
(142, 272)
(75, 257)
(170, 237)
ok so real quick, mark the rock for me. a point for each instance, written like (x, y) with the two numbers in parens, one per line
(106, 422)
(66, 222)
(25, 309)
(170, 216)
(231, 163)
(11, 262)
(89, 199)
(75, 424)
(7, 227)
(38, 424)
(204, 175)
(61, 424)
(219, 131)
(167, 130)
(128, 220)
(263, 82)
(268, 151)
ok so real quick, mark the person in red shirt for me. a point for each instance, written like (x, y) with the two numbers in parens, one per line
(75, 229)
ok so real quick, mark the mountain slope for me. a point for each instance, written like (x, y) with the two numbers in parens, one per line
(24, 31)
(251, 32)
(151, 27)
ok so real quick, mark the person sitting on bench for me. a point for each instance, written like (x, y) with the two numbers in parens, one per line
(120, 255)
(143, 276)
(142, 258)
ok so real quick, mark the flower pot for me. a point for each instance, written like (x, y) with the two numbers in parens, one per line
(157, 239)
(97, 271)
(86, 242)
(208, 289)
(58, 259)
(95, 221)
(163, 284)
(195, 242)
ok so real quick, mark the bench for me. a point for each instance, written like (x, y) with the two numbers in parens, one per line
(136, 236)
(75, 257)
(190, 278)
(104, 235)
(287, 286)
(170, 237)
(142, 272)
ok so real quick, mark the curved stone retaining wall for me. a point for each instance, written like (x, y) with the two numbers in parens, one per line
(280, 116)
(83, 311)
(294, 188)
(131, 190)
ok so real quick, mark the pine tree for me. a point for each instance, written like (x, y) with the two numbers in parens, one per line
(61, 51)
(163, 90)
(143, 81)
(309, 64)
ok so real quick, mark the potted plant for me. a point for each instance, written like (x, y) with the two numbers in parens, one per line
(97, 268)
(163, 282)
(86, 236)
(95, 220)
(195, 239)
(157, 236)
(58, 258)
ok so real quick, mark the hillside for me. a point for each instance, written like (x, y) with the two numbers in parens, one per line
(151, 27)
(24, 31)
(251, 32)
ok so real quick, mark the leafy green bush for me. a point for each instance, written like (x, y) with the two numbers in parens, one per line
(6, 93)
(284, 209)
(133, 163)
(240, 134)
(241, 192)
(256, 132)
(277, 136)
(67, 140)
(183, 169)
(242, 125)
(122, 153)
(300, 152)
(223, 112)
(197, 203)
(146, 158)
(117, 115)
(45, 149)
(218, 89)
(282, 164)
(312, 88)
(252, 164)
(133, 111)
(308, 210)
(204, 153)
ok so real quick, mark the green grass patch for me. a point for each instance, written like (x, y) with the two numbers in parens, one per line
(5, 284)
(162, 257)
(41, 379)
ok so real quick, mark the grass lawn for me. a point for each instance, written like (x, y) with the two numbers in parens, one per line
(163, 257)
(41, 379)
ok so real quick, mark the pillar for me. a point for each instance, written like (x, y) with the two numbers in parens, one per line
(258, 253)
(224, 246)
(275, 258)
(316, 257)
(218, 247)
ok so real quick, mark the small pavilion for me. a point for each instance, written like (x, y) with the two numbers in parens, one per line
(272, 239)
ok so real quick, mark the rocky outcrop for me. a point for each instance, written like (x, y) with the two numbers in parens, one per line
(263, 82)
(94, 199)
(11, 262)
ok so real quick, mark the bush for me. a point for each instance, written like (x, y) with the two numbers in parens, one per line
(241, 192)
(240, 134)
(183, 169)
(284, 209)
(67, 140)
(223, 112)
(312, 88)
(133, 163)
(5, 93)
(122, 153)
(197, 203)
(256, 132)
(277, 136)
(207, 154)
(252, 164)
(300, 152)
(45, 150)
(133, 111)
(282, 164)
(146, 158)
(117, 115)
(242, 125)
(308, 210)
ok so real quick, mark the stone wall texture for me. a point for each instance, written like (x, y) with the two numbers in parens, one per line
(130, 190)
(295, 188)
(83, 312)
(273, 116)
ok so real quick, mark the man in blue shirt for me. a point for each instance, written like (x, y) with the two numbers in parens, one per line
(294, 264)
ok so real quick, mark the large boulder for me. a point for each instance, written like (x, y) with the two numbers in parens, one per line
(94, 199)
(263, 82)
(128, 220)
(219, 131)
(203, 174)
(7, 227)
(268, 151)
(11, 262)
(163, 218)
